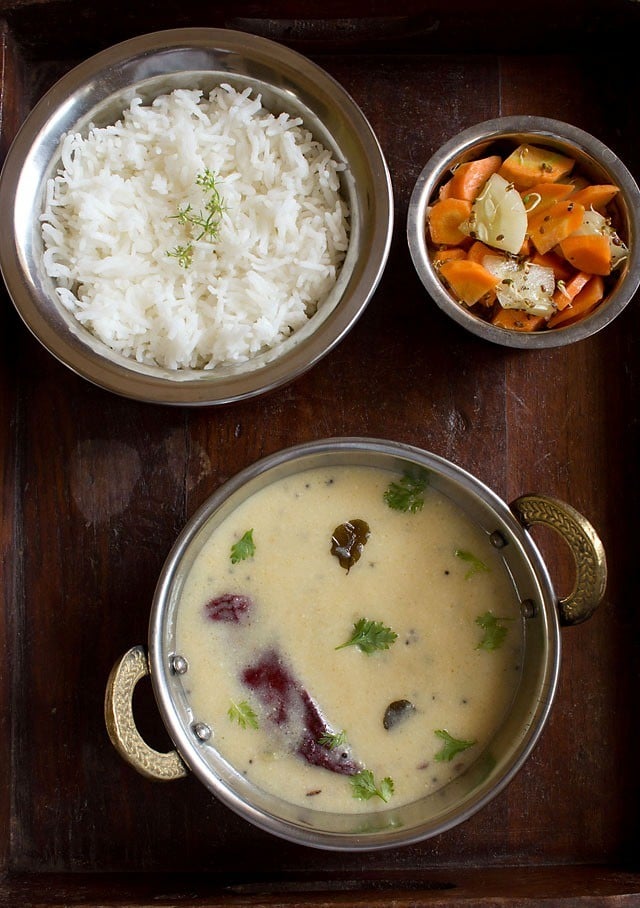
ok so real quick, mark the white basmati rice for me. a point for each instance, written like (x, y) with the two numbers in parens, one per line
(110, 221)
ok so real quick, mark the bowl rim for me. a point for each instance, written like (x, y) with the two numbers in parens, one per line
(160, 653)
(554, 132)
(186, 387)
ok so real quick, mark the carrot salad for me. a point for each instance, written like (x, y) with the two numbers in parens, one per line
(523, 241)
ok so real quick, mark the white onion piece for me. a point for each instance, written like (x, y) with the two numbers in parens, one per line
(498, 216)
(522, 285)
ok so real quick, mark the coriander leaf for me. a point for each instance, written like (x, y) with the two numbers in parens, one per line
(369, 636)
(244, 548)
(407, 493)
(475, 565)
(207, 180)
(494, 632)
(203, 224)
(184, 254)
(451, 747)
(184, 215)
(364, 786)
(333, 740)
(243, 714)
(386, 788)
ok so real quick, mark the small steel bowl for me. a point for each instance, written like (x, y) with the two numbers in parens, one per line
(593, 159)
(97, 91)
(542, 614)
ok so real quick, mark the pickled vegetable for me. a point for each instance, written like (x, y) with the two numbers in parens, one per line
(596, 224)
(535, 236)
(498, 216)
(529, 164)
(523, 285)
(469, 281)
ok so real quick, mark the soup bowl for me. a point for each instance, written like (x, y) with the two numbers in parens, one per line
(96, 92)
(537, 608)
(594, 161)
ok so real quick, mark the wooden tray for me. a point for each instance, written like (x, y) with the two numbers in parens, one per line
(96, 488)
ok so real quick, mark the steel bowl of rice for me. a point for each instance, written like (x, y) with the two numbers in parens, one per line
(197, 216)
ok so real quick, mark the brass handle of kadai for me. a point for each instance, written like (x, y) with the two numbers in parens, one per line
(121, 725)
(585, 545)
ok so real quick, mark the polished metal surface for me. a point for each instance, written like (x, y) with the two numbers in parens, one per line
(121, 726)
(179, 665)
(594, 160)
(584, 544)
(96, 92)
(512, 743)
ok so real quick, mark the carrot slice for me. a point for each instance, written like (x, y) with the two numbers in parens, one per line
(543, 195)
(469, 178)
(578, 182)
(590, 252)
(440, 256)
(478, 251)
(468, 280)
(528, 165)
(486, 302)
(525, 249)
(445, 218)
(445, 191)
(517, 320)
(569, 289)
(596, 196)
(562, 271)
(551, 227)
(584, 303)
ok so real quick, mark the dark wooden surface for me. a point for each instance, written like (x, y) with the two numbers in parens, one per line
(95, 489)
